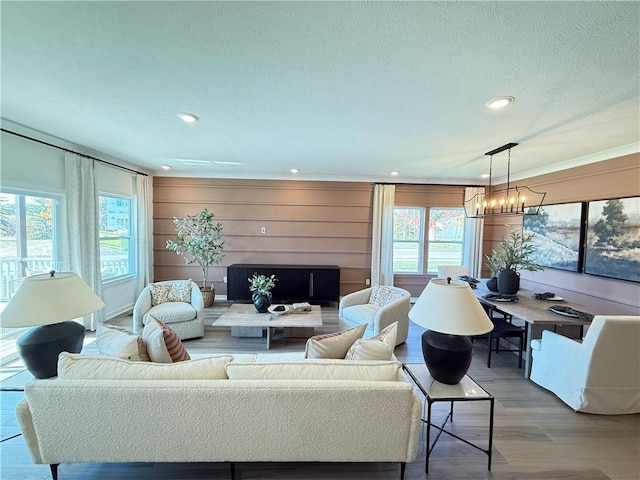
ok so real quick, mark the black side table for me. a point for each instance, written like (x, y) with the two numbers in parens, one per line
(465, 391)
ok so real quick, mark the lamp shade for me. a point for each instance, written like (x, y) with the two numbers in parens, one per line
(49, 298)
(450, 307)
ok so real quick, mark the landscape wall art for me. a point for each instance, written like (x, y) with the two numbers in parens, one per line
(613, 239)
(556, 233)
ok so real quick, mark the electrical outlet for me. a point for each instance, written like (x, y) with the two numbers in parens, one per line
(224, 279)
(263, 229)
(367, 281)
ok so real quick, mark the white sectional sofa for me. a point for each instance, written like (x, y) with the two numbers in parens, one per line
(266, 408)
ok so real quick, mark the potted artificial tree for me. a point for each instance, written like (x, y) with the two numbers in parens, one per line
(198, 241)
(511, 256)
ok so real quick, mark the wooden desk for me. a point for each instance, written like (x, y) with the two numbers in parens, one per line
(533, 312)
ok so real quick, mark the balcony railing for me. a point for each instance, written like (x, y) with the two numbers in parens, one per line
(11, 269)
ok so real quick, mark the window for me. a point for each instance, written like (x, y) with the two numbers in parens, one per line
(440, 241)
(446, 237)
(408, 239)
(116, 244)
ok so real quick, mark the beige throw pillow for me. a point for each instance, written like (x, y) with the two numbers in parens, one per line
(333, 345)
(381, 296)
(159, 293)
(163, 344)
(118, 342)
(180, 291)
(86, 367)
(379, 347)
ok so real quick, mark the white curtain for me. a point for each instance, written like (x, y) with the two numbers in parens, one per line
(144, 230)
(83, 245)
(472, 255)
(382, 235)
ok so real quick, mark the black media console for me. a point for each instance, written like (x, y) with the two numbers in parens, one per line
(296, 283)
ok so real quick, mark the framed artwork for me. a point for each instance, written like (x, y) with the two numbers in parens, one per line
(613, 239)
(556, 233)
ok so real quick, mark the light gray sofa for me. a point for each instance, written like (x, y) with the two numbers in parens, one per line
(221, 409)
(357, 308)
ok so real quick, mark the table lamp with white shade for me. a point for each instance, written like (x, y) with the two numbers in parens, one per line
(48, 302)
(451, 313)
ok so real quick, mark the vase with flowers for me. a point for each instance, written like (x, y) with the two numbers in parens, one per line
(261, 286)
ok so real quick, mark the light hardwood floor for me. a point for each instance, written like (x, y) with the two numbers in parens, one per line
(536, 436)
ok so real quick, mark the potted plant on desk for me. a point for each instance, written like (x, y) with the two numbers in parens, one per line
(261, 286)
(198, 241)
(511, 256)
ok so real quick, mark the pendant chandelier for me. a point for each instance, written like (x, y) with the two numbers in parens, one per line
(516, 200)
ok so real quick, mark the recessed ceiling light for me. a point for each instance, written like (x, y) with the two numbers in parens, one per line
(484, 175)
(500, 102)
(295, 170)
(394, 173)
(188, 117)
(165, 167)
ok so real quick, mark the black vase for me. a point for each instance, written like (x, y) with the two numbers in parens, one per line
(492, 284)
(508, 281)
(262, 301)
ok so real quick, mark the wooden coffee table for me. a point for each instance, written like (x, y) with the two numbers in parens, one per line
(246, 322)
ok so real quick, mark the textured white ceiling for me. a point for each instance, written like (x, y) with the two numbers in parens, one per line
(340, 90)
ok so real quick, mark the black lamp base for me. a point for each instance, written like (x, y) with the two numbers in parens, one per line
(39, 347)
(447, 356)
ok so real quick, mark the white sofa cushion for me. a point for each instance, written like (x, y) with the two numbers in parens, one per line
(379, 347)
(86, 367)
(326, 369)
(163, 345)
(171, 312)
(118, 342)
(363, 313)
(333, 345)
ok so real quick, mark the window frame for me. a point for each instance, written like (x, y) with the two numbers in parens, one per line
(424, 243)
(130, 237)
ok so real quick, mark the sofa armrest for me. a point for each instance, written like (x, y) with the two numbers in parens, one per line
(23, 414)
(396, 311)
(142, 306)
(356, 298)
(197, 301)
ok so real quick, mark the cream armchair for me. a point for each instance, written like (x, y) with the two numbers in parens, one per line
(378, 306)
(599, 375)
(166, 301)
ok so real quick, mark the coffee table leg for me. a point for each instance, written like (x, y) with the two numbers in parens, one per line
(268, 338)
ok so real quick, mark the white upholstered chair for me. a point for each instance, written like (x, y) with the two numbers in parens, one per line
(599, 375)
(453, 271)
(186, 318)
(379, 307)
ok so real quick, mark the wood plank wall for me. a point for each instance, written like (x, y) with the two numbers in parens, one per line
(314, 223)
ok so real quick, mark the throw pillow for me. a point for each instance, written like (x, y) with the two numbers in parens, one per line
(180, 291)
(379, 347)
(333, 345)
(91, 367)
(159, 293)
(381, 295)
(118, 342)
(163, 344)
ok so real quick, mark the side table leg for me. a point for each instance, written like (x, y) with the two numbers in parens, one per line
(490, 452)
(428, 447)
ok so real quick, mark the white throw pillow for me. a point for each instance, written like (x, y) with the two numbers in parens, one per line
(379, 347)
(322, 369)
(333, 345)
(86, 367)
(118, 342)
